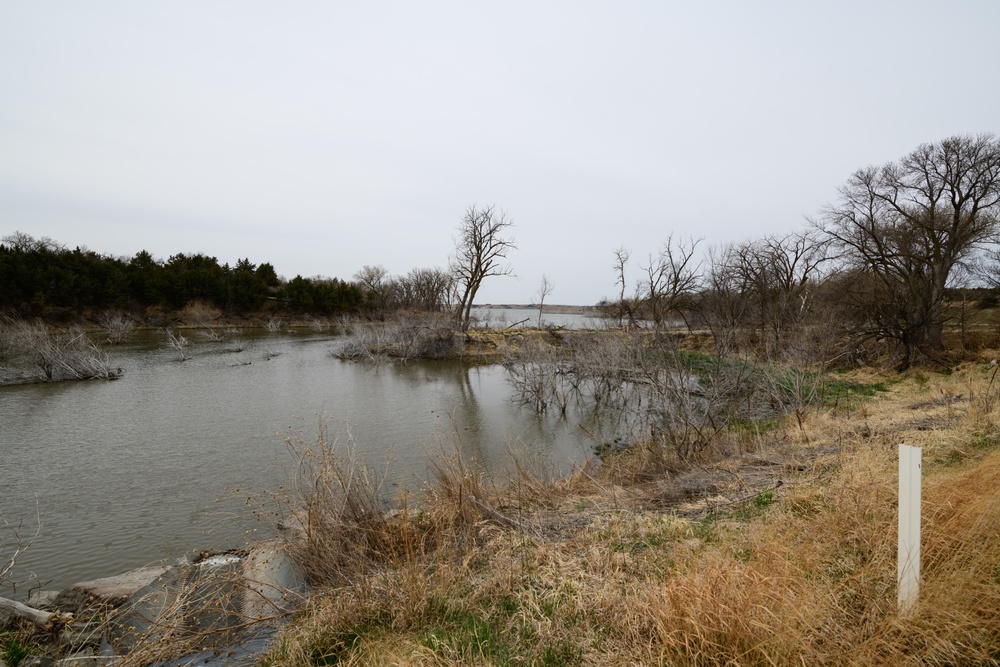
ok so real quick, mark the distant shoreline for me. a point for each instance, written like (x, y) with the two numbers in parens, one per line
(555, 308)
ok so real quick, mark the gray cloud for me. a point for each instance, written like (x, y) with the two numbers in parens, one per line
(325, 136)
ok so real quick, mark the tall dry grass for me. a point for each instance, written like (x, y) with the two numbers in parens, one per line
(577, 572)
(815, 582)
(338, 528)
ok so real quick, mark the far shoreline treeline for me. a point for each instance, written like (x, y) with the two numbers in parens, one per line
(43, 279)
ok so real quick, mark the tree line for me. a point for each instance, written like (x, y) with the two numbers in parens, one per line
(42, 278)
(873, 269)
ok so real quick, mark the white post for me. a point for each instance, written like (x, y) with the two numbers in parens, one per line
(908, 557)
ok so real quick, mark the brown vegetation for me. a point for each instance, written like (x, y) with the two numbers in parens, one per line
(782, 555)
(31, 352)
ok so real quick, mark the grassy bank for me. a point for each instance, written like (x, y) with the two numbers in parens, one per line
(782, 553)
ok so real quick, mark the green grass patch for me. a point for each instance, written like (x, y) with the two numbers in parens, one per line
(466, 635)
(12, 651)
(756, 507)
(337, 645)
(743, 426)
(707, 529)
(984, 441)
(843, 393)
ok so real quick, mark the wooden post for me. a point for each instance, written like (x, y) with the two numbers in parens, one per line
(908, 556)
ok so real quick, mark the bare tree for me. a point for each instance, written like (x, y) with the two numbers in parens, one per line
(480, 250)
(26, 243)
(423, 289)
(759, 293)
(722, 305)
(671, 278)
(544, 289)
(908, 224)
(375, 282)
(625, 309)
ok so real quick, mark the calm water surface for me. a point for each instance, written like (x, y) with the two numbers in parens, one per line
(160, 462)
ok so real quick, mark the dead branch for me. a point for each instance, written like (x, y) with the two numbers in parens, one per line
(42, 619)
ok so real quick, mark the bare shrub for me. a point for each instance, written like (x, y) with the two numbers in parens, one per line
(686, 414)
(648, 391)
(534, 370)
(118, 326)
(15, 539)
(80, 358)
(983, 401)
(342, 527)
(177, 343)
(70, 355)
(212, 336)
(406, 337)
(367, 342)
(237, 341)
(460, 496)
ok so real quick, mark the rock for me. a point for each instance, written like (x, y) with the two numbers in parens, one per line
(274, 583)
(229, 604)
(43, 599)
(81, 636)
(107, 592)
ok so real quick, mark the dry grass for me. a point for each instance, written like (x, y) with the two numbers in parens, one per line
(198, 313)
(590, 570)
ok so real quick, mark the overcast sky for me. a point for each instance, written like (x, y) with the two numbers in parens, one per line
(323, 136)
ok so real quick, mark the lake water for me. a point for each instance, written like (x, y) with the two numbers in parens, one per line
(162, 461)
(500, 318)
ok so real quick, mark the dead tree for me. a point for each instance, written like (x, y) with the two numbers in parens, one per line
(480, 251)
(671, 279)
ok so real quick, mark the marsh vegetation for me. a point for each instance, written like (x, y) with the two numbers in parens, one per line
(782, 554)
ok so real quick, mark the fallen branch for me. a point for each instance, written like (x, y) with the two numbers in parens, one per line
(43, 619)
(516, 324)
